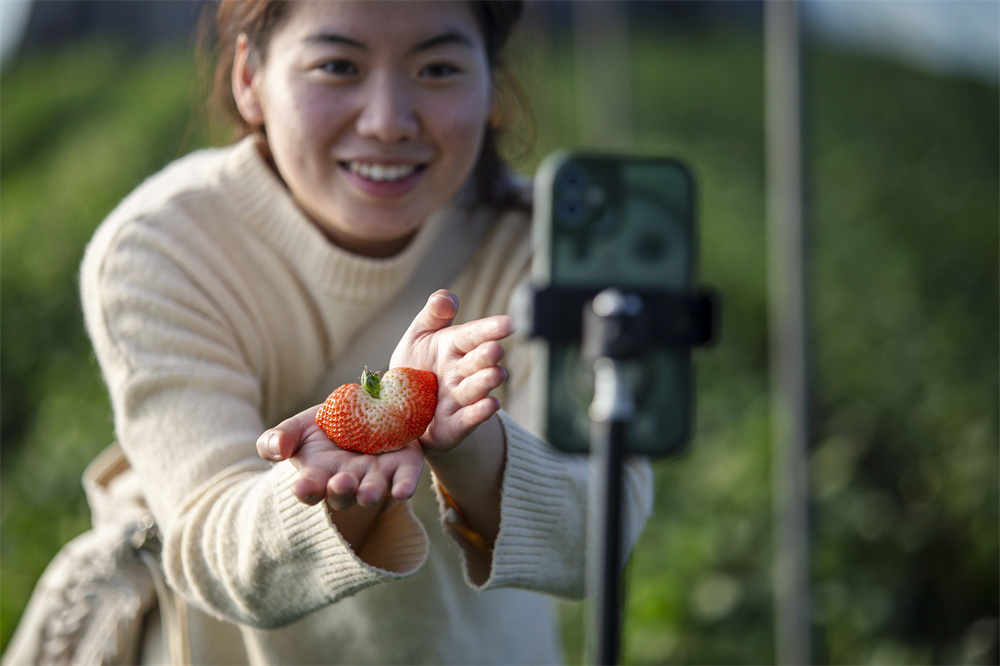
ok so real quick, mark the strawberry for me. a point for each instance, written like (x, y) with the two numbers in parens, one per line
(380, 415)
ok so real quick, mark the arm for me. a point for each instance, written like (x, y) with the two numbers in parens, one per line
(464, 444)
(190, 382)
(526, 503)
(544, 493)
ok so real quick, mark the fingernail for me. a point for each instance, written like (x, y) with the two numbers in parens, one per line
(273, 450)
(448, 296)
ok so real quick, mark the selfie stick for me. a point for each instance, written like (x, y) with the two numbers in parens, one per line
(616, 325)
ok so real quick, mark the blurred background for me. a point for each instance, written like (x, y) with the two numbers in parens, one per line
(901, 111)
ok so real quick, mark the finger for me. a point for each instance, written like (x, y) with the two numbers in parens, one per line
(341, 491)
(316, 464)
(439, 312)
(267, 449)
(284, 440)
(338, 503)
(474, 388)
(373, 489)
(308, 490)
(443, 305)
(476, 414)
(407, 474)
(470, 335)
(486, 355)
(404, 486)
(343, 484)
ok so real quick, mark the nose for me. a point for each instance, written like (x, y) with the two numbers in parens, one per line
(389, 113)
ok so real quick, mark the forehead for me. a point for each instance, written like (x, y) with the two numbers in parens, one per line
(398, 23)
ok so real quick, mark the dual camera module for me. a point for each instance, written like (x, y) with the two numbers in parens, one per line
(582, 202)
(590, 206)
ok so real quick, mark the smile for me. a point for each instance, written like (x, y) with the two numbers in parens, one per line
(383, 173)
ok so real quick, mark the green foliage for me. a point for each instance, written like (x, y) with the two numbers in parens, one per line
(905, 333)
(81, 127)
(903, 178)
(903, 291)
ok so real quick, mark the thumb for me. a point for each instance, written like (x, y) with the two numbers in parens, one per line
(284, 440)
(438, 313)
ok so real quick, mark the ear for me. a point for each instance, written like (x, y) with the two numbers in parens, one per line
(245, 84)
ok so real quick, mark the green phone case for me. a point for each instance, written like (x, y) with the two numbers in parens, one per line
(614, 221)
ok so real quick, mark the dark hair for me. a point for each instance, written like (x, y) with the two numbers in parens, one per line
(492, 180)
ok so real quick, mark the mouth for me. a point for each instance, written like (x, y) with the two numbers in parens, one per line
(382, 173)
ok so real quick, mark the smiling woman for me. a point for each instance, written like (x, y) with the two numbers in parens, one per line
(496, 21)
(348, 93)
(230, 293)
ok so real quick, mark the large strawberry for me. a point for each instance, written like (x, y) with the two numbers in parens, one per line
(380, 415)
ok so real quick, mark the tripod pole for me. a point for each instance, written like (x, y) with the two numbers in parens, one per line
(606, 336)
(607, 444)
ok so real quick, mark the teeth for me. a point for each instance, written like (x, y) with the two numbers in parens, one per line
(382, 172)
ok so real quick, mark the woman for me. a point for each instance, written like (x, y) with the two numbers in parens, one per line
(220, 294)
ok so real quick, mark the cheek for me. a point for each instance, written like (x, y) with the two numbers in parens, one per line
(461, 127)
(297, 117)
(299, 132)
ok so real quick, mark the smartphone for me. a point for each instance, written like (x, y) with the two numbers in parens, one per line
(614, 221)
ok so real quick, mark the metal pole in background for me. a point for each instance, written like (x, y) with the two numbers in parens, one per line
(787, 305)
(603, 65)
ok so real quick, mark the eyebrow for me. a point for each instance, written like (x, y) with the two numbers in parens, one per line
(334, 38)
(452, 36)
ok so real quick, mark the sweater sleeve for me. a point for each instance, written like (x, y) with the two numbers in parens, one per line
(187, 390)
(545, 509)
(545, 513)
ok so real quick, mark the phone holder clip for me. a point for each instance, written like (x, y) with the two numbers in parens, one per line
(652, 318)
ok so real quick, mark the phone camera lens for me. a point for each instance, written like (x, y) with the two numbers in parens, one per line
(571, 214)
(572, 182)
(571, 187)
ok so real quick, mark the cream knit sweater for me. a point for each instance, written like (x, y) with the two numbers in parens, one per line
(215, 309)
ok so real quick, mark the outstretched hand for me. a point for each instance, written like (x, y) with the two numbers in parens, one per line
(465, 359)
(343, 478)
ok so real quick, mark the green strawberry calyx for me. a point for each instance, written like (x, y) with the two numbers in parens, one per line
(371, 383)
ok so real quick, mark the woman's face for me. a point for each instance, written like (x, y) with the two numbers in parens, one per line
(374, 112)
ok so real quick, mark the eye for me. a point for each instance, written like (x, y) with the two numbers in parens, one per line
(439, 70)
(339, 67)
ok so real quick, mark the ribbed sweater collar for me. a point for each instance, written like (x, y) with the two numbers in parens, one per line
(264, 203)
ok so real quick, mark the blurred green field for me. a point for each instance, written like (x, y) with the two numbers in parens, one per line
(904, 315)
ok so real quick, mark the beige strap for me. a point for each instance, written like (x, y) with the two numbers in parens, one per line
(173, 613)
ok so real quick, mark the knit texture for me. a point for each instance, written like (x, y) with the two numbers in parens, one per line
(216, 308)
